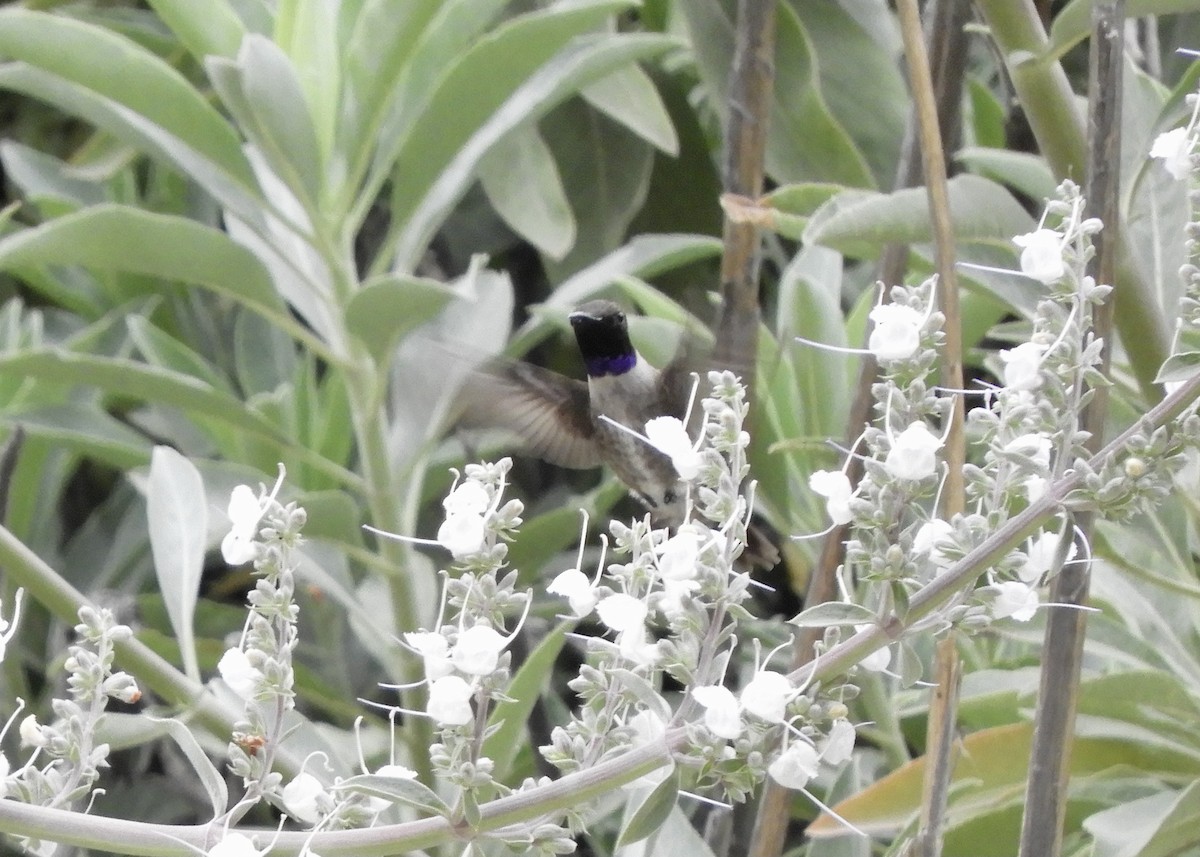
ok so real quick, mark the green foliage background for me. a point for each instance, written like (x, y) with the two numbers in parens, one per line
(263, 232)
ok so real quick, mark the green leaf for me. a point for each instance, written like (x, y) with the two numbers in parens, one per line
(629, 96)
(212, 779)
(606, 172)
(237, 191)
(795, 203)
(832, 613)
(208, 27)
(652, 812)
(1030, 174)
(177, 513)
(1160, 825)
(307, 31)
(404, 790)
(386, 309)
(120, 70)
(87, 430)
(41, 176)
(1073, 23)
(270, 106)
(859, 223)
(511, 717)
(804, 141)
(431, 190)
(119, 238)
(1179, 368)
(522, 183)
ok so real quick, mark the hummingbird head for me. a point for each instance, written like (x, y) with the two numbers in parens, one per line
(603, 337)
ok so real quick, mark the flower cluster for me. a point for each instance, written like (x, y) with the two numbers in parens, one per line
(258, 670)
(672, 606)
(72, 757)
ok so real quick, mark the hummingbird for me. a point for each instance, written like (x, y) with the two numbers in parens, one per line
(567, 422)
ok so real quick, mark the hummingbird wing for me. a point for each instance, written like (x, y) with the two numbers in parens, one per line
(548, 413)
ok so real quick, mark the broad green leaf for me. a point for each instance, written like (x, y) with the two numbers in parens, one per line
(205, 28)
(1179, 368)
(522, 182)
(277, 116)
(832, 613)
(793, 204)
(119, 238)
(230, 189)
(119, 70)
(380, 49)
(512, 717)
(177, 513)
(212, 779)
(386, 309)
(1160, 825)
(629, 96)
(307, 30)
(162, 349)
(87, 430)
(402, 790)
(859, 224)
(804, 141)
(511, 78)
(41, 176)
(606, 172)
(1030, 174)
(1073, 23)
(858, 73)
(652, 813)
(131, 378)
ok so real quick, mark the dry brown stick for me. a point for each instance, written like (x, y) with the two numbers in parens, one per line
(943, 709)
(1062, 649)
(751, 86)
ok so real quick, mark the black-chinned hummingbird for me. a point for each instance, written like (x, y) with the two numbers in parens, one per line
(559, 419)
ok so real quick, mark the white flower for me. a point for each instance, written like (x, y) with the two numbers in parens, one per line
(1040, 557)
(668, 436)
(434, 651)
(839, 745)
(879, 660)
(1174, 147)
(469, 498)
(235, 845)
(477, 651)
(1041, 255)
(834, 486)
(1032, 446)
(242, 678)
(622, 612)
(1023, 366)
(450, 701)
(678, 555)
(795, 766)
(245, 511)
(1035, 487)
(931, 540)
(303, 797)
(722, 714)
(676, 597)
(462, 534)
(897, 332)
(31, 732)
(398, 772)
(1015, 599)
(575, 586)
(767, 695)
(913, 453)
(648, 728)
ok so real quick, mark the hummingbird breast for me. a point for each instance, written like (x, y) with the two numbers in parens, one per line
(632, 399)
